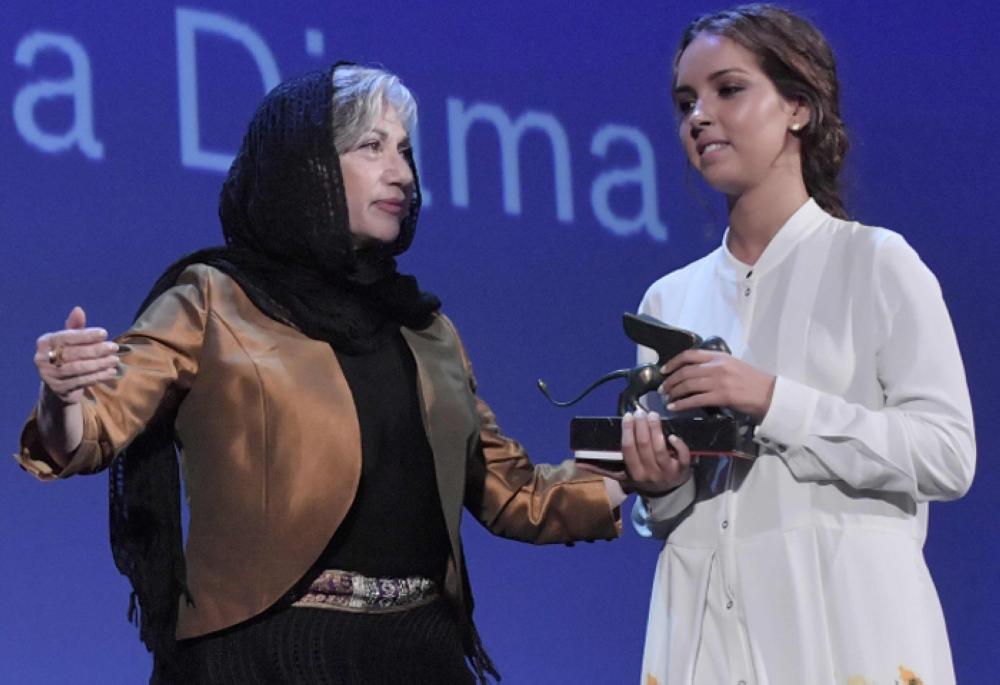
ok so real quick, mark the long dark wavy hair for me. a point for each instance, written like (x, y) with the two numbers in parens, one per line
(800, 63)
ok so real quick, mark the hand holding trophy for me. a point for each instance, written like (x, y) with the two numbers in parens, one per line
(708, 432)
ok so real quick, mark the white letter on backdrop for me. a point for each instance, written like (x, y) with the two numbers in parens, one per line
(461, 119)
(644, 175)
(189, 23)
(77, 86)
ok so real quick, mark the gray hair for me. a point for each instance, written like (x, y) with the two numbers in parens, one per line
(359, 99)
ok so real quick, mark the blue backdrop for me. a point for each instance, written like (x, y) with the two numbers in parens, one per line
(557, 192)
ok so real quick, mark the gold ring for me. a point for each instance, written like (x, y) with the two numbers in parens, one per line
(56, 356)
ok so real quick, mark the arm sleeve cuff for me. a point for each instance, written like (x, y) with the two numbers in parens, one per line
(793, 406)
(654, 517)
(35, 459)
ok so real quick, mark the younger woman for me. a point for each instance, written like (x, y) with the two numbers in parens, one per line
(804, 565)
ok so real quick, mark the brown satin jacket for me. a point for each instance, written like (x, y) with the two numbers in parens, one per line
(272, 447)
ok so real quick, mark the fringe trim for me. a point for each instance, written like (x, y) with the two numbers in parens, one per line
(479, 659)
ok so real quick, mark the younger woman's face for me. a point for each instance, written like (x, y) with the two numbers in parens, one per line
(378, 181)
(734, 125)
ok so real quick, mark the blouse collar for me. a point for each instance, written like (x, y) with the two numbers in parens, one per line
(799, 225)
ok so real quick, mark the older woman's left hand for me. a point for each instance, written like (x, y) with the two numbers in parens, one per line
(702, 378)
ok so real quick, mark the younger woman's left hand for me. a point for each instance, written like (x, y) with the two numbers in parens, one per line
(703, 378)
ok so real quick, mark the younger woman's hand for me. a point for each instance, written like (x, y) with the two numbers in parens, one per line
(703, 378)
(655, 463)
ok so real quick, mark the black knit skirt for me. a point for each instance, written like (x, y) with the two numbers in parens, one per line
(306, 646)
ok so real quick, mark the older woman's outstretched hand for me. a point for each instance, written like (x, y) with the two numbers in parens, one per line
(72, 359)
(69, 361)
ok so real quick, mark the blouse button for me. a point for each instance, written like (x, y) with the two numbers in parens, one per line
(747, 292)
(729, 604)
(725, 524)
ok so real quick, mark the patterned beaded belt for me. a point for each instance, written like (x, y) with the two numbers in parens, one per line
(347, 591)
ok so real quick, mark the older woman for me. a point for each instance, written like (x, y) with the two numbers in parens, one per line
(325, 414)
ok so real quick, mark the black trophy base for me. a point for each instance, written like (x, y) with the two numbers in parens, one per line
(705, 436)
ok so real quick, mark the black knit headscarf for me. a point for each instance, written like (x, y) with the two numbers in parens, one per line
(288, 244)
(288, 241)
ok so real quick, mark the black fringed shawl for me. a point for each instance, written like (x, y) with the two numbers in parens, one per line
(288, 244)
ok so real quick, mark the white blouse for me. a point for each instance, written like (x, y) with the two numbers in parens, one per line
(806, 565)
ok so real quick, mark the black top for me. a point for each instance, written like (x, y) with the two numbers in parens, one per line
(395, 527)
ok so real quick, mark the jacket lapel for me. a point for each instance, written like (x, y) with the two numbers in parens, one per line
(449, 413)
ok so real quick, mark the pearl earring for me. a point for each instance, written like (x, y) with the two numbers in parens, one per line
(796, 126)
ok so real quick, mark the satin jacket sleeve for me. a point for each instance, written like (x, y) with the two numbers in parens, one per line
(164, 344)
(541, 503)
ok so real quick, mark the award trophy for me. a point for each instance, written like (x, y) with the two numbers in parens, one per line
(708, 432)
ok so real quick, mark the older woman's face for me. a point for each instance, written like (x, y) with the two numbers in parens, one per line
(378, 180)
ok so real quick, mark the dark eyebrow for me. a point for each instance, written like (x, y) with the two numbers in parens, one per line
(383, 135)
(712, 77)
